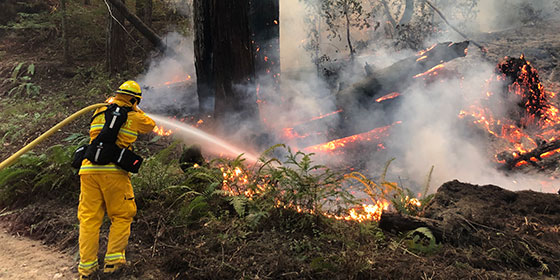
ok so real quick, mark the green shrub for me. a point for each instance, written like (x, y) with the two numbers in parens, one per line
(40, 176)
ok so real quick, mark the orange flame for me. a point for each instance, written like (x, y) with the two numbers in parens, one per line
(342, 142)
(387, 97)
(159, 130)
(432, 70)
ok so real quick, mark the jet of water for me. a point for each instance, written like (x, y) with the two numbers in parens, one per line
(210, 142)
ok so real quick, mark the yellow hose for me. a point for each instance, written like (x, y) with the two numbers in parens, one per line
(49, 132)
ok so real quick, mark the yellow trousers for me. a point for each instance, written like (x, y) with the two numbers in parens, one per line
(111, 192)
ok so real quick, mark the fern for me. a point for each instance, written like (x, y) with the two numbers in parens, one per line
(422, 240)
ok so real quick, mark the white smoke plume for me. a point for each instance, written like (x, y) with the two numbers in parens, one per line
(431, 133)
(170, 81)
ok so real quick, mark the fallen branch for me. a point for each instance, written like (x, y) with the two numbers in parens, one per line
(483, 49)
(145, 30)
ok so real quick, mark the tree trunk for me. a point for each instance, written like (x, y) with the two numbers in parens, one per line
(408, 12)
(116, 41)
(144, 10)
(233, 64)
(65, 42)
(87, 2)
(388, 13)
(348, 39)
(141, 26)
(203, 55)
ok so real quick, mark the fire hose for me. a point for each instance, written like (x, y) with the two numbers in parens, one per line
(48, 133)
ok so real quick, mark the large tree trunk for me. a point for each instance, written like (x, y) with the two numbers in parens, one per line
(116, 41)
(233, 64)
(203, 55)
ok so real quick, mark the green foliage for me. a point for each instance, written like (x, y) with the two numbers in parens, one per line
(158, 172)
(402, 199)
(21, 82)
(26, 21)
(298, 183)
(422, 241)
(46, 175)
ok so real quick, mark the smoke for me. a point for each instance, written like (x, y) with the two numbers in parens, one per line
(430, 132)
(170, 81)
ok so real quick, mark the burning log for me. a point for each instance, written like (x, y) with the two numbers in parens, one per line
(398, 76)
(379, 89)
(546, 149)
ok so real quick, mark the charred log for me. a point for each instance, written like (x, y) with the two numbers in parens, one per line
(397, 223)
(378, 91)
(397, 76)
(533, 157)
(523, 81)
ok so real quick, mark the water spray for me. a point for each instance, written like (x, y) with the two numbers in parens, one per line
(215, 144)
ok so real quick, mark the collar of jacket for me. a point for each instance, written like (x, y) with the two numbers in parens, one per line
(122, 100)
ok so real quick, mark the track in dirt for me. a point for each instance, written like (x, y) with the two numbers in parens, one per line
(22, 258)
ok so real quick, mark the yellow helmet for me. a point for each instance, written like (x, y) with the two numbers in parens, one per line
(131, 88)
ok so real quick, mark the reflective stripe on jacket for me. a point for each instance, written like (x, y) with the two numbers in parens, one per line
(137, 123)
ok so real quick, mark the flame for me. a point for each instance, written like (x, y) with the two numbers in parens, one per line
(537, 117)
(159, 130)
(334, 145)
(178, 79)
(422, 52)
(422, 58)
(387, 97)
(431, 71)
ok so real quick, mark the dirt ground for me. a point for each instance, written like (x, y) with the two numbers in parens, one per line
(23, 258)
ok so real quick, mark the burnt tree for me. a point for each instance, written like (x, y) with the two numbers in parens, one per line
(224, 60)
(233, 66)
(116, 41)
(203, 55)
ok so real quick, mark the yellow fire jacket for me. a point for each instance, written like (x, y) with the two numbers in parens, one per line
(137, 123)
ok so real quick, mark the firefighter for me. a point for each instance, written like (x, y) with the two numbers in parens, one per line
(107, 188)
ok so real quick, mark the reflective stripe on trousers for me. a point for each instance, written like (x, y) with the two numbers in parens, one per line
(110, 192)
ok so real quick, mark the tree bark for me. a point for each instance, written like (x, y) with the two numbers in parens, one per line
(144, 10)
(233, 64)
(203, 47)
(116, 41)
(348, 39)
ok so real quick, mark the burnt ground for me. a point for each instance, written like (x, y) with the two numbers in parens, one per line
(490, 233)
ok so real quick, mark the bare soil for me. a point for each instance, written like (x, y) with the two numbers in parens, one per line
(22, 258)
